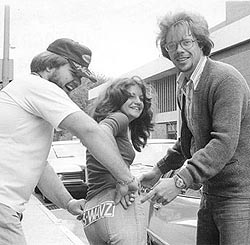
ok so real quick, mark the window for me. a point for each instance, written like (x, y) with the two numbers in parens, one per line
(166, 92)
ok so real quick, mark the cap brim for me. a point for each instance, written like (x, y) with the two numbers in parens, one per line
(83, 70)
(86, 73)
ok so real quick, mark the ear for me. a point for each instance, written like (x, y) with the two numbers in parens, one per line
(164, 52)
(49, 70)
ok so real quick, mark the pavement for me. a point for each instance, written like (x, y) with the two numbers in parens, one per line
(41, 227)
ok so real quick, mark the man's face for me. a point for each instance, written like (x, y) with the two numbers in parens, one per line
(184, 58)
(64, 78)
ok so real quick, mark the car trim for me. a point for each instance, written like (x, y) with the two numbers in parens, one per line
(156, 237)
(190, 222)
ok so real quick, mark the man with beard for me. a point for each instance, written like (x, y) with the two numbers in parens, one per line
(31, 107)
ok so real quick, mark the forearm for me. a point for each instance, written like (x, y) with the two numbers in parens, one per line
(52, 187)
(106, 151)
(100, 144)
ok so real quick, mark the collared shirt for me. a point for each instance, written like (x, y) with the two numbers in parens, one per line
(195, 77)
(187, 88)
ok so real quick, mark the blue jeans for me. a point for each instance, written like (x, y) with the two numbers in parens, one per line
(223, 221)
(126, 227)
(11, 232)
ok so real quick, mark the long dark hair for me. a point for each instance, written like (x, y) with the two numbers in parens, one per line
(112, 99)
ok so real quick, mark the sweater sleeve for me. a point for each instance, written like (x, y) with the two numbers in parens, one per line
(229, 103)
(173, 159)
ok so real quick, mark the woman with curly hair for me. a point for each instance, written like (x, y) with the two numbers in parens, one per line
(124, 111)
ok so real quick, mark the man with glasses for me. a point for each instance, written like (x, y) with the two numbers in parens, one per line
(213, 148)
(31, 107)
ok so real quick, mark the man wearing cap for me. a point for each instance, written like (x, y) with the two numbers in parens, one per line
(30, 108)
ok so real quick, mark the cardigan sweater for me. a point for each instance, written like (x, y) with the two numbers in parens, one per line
(221, 130)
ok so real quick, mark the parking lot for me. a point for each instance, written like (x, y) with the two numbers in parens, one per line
(41, 226)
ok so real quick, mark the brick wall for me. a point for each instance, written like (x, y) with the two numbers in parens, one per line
(239, 57)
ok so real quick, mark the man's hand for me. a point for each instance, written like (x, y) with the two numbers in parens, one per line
(123, 189)
(148, 180)
(164, 192)
(76, 207)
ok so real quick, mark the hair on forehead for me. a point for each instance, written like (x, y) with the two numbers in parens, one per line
(180, 27)
(179, 22)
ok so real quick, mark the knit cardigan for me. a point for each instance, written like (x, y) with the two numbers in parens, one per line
(221, 131)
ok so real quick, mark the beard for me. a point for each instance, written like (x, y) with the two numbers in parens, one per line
(54, 79)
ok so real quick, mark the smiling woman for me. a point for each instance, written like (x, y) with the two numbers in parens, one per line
(123, 110)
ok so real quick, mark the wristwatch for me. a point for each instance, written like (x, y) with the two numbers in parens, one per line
(179, 183)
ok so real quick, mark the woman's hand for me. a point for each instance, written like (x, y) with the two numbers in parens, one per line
(123, 189)
(127, 200)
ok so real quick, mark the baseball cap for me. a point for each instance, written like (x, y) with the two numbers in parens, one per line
(78, 55)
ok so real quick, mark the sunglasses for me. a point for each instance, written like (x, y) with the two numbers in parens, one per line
(78, 72)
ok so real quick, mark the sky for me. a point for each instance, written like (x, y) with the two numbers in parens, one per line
(120, 33)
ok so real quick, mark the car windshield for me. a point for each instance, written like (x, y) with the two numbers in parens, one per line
(150, 155)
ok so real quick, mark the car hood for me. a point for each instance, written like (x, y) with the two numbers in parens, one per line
(67, 164)
(138, 169)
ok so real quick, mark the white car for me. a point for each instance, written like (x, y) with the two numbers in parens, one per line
(176, 222)
(150, 155)
(68, 159)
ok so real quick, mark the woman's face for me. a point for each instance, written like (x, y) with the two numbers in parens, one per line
(133, 107)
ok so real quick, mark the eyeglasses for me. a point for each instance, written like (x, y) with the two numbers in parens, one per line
(81, 71)
(77, 73)
(185, 44)
(76, 82)
(77, 70)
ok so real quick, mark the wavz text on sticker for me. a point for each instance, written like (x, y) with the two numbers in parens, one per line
(104, 209)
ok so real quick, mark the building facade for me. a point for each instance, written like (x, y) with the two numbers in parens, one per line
(231, 45)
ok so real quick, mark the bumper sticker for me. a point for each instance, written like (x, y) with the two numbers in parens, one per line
(104, 209)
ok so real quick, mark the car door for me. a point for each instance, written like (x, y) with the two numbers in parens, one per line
(176, 222)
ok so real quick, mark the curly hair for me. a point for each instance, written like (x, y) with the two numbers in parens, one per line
(112, 99)
(196, 24)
